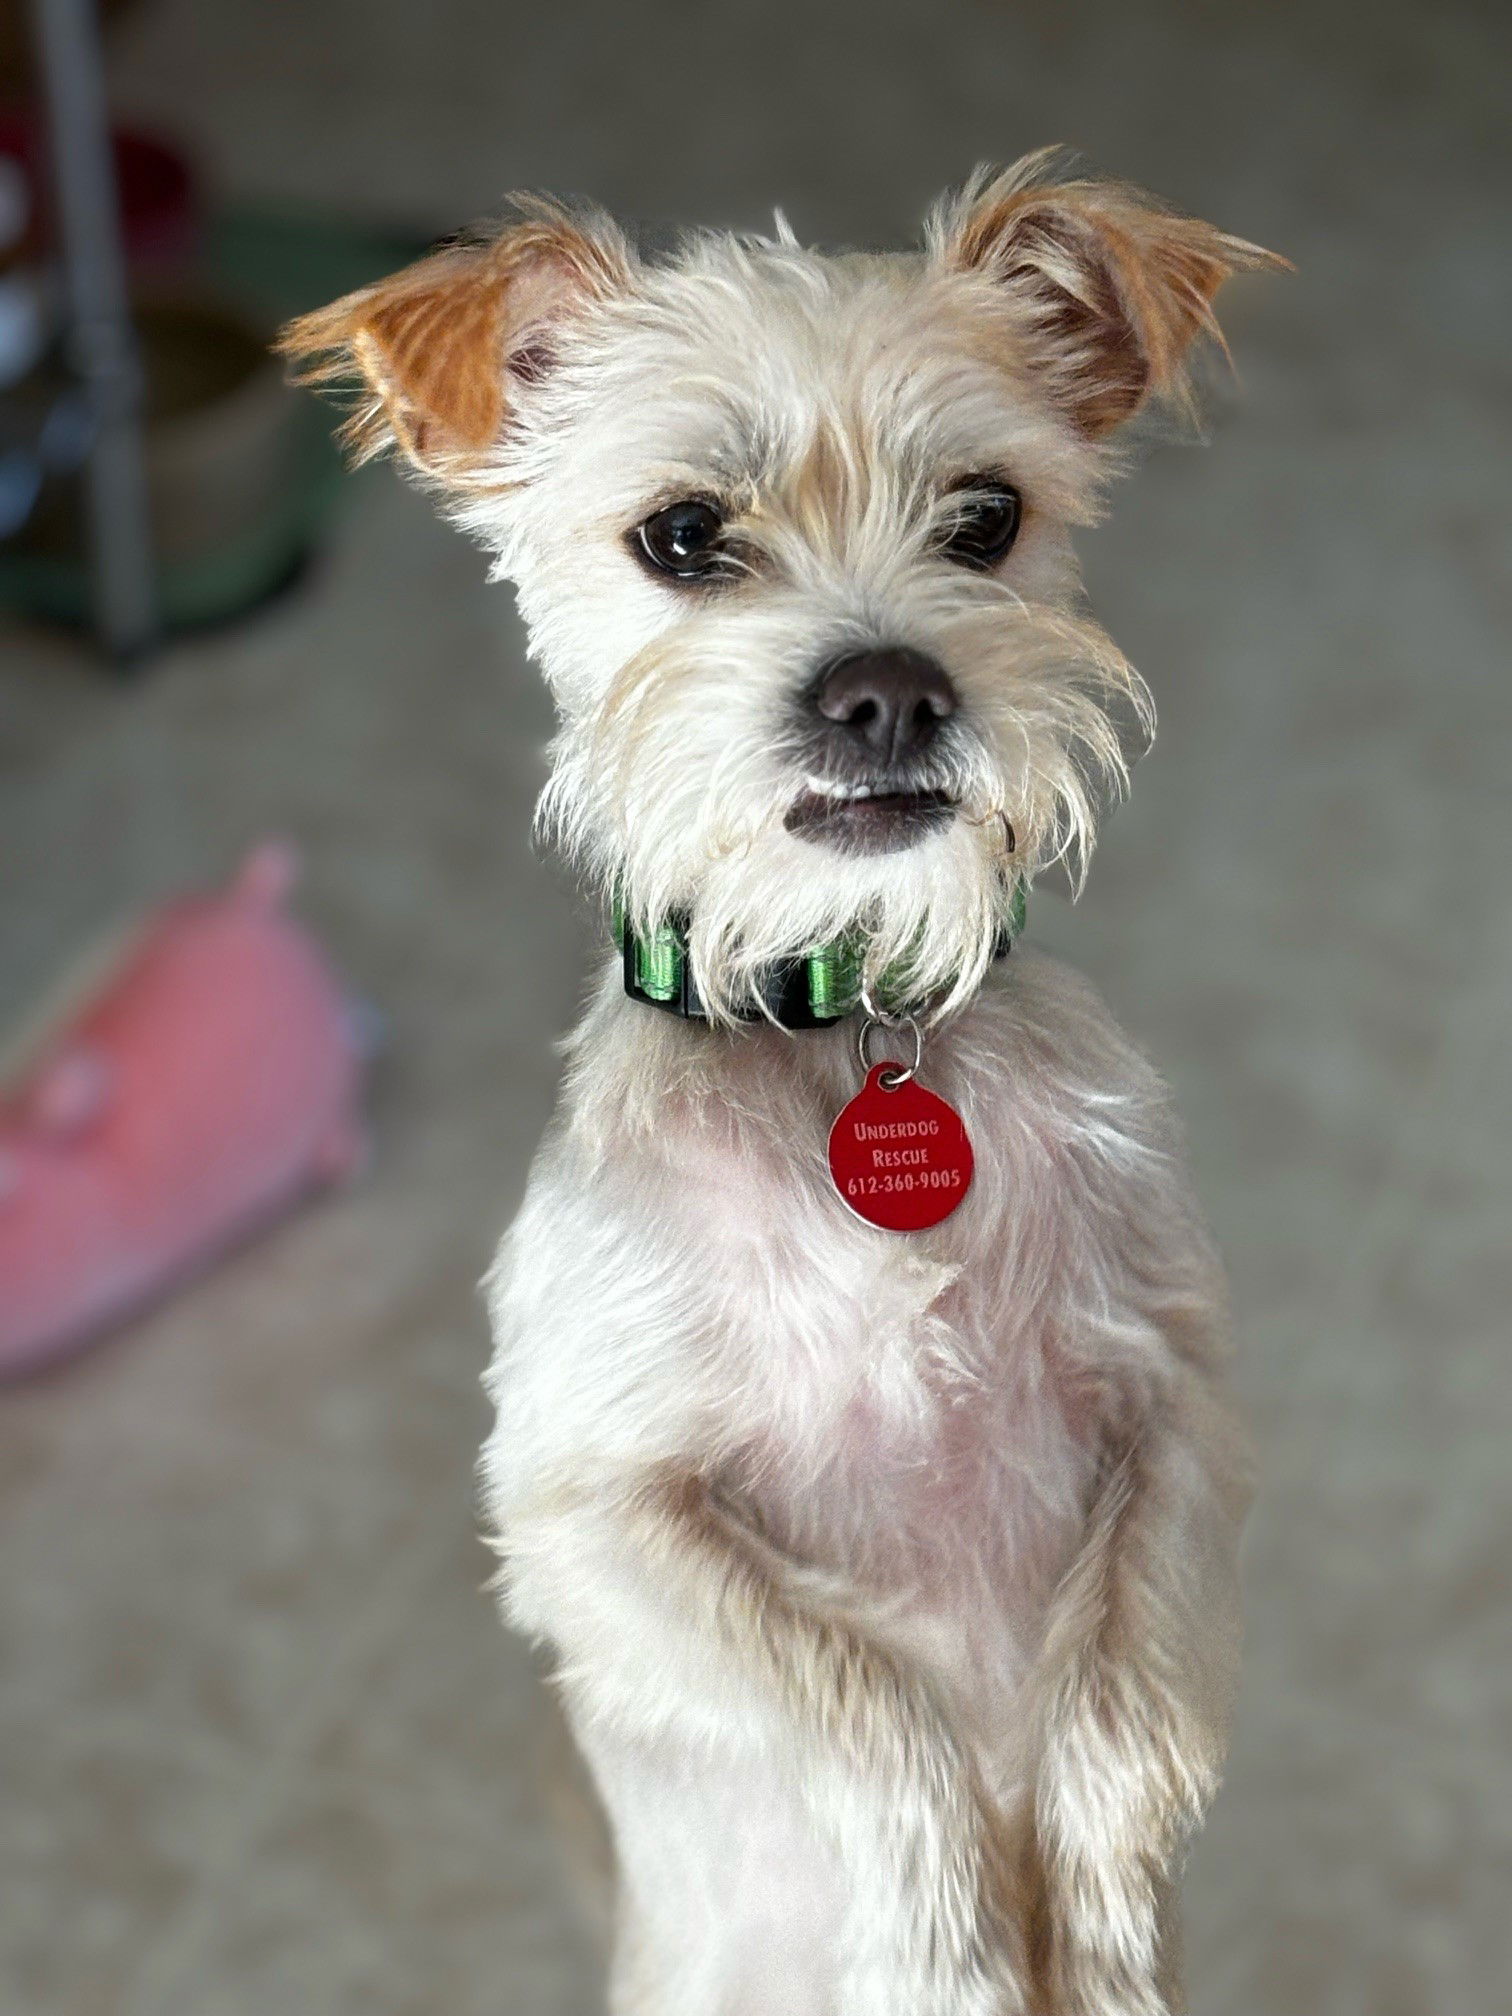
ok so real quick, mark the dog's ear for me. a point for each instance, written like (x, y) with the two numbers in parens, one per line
(1115, 287)
(436, 352)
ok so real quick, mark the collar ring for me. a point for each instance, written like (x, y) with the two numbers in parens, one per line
(900, 1073)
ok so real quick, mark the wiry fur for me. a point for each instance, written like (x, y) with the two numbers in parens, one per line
(890, 1580)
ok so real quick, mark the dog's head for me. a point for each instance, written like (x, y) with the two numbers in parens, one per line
(791, 533)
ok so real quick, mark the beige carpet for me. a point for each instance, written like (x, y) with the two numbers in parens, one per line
(263, 1748)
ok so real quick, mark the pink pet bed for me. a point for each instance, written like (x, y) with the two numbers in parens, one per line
(204, 1085)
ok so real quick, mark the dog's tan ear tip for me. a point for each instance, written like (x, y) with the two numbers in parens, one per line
(315, 349)
(325, 351)
(1245, 257)
(318, 345)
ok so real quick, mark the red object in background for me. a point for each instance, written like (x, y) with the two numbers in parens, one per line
(160, 204)
(212, 1082)
(899, 1155)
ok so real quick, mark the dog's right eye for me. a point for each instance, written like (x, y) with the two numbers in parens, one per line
(683, 539)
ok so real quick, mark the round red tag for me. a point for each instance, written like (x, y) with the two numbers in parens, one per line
(899, 1156)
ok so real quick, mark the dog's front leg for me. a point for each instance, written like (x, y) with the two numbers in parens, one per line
(671, 1613)
(1134, 1687)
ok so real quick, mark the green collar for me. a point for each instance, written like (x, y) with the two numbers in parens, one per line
(813, 991)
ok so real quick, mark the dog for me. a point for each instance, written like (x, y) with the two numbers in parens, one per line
(888, 1569)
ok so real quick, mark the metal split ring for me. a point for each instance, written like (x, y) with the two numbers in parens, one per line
(890, 1080)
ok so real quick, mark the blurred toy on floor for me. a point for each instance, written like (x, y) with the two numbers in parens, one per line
(195, 1082)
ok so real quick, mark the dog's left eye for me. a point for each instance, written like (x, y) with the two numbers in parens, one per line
(684, 540)
(983, 524)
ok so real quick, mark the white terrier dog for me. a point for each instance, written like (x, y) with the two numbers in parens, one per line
(889, 1573)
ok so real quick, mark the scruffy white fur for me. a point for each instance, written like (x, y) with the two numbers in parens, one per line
(890, 1579)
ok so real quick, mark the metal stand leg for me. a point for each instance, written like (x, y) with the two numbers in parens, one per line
(101, 339)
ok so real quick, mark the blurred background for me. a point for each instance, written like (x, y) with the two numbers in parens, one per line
(263, 1745)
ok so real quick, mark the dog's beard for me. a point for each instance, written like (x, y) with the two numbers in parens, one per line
(928, 918)
(673, 797)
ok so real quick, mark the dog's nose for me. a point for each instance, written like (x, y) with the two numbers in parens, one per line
(890, 701)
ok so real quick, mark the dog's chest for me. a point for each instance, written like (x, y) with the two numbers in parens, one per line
(888, 1403)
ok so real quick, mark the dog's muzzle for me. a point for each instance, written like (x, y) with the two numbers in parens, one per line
(870, 722)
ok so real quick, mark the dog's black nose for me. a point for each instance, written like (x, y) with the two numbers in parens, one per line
(890, 702)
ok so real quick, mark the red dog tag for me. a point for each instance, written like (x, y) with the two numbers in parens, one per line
(898, 1155)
